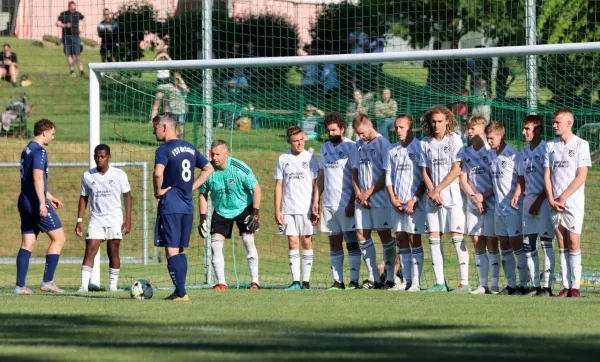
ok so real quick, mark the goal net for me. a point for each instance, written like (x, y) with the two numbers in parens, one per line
(253, 101)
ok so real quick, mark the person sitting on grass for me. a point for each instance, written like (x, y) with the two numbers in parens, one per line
(9, 65)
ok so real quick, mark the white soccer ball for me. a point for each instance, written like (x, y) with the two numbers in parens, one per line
(141, 289)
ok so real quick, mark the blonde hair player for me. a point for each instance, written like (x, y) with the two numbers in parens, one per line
(441, 159)
(565, 171)
(476, 182)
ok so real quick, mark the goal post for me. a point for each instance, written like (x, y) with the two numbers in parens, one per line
(121, 94)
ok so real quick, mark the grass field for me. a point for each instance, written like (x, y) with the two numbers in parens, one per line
(306, 325)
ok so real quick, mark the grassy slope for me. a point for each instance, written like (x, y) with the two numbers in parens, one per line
(315, 325)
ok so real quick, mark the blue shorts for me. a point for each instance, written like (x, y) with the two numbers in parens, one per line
(173, 230)
(72, 44)
(33, 223)
(180, 118)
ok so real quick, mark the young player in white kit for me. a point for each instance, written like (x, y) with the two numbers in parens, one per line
(335, 187)
(103, 187)
(508, 222)
(441, 158)
(535, 210)
(373, 210)
(565, 171)
(296, 176)
(405, 187)
(476, 182)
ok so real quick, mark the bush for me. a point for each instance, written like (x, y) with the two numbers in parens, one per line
(134, 20)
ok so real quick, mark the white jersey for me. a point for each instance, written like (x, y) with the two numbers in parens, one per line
(297, 173)
(504, 177)
(336, 164)
(403, 172)
(476, 165)
(370, 164)
(439, 157)
(531, 167)
(563, 161)
(104, 193)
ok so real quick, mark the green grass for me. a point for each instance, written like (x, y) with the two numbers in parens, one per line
(305, 325)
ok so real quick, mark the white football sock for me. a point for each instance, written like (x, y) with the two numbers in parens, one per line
(218, 260)
(294, 257)
(417, 265)
(533, 259)
(389, 259)
(86, 274)
(565, 268)
(437, 259)
(369, 255)
(549, 262)
(494, 261)
(307, 262)
(251, 256)
(508, 264)
(575, 262)
(113, 279)
(336, 258)
(354, 257)
(482, 264)
(406, 264)
(462, 256)
(522, 266)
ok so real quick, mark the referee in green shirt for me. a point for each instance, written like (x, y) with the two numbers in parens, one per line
(235, 195)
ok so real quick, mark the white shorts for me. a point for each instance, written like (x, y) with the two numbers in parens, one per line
(509, 225)
(298, 225)
(446, 219)
(540, 224)
(571, 219)
(375, 218)
(335, 221)
(97, 232)
(480, 224)
(411, 224)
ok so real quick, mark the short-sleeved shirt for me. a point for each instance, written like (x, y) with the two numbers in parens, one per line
(33, 157)
(67, 17)
(503, 169)
(12, 57)
(563, 161)
(336, 164)
(370, 163)
(402, 170)
(531, 168)
(476, 165)
(389, 108)
(104, 192)
(439, 157)
(310, 75)
(180, 159)
(297, 173)
(177, 101)
(231, 190)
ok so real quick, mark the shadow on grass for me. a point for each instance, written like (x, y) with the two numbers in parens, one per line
(263, 340)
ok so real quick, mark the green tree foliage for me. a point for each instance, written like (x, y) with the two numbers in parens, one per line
(134, 20)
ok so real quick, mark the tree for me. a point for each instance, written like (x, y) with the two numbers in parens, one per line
(134, 20)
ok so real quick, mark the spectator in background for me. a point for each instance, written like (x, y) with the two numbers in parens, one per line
(178, 103)
(358, 38)
(163, 84)
(502, 79)
(358, 43)
(107, 31)
(70, 21)
(9, 65)
(385, 111)
(236, 50)
(376, 45)
(309, 81)
(435, 68)
(329, 78)
(313, 117)
(236, 86)
(481, 93)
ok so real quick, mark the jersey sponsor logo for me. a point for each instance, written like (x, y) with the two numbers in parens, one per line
(305, 165)
(503, 164)
(571, 153)
(231, 182)
(538, 159)
(469, 161)
(286, 165)
(561, 164)
(372, 151)
(446, 149)
(111, 182)
(411, 156)
(93, 183)
(485, 159)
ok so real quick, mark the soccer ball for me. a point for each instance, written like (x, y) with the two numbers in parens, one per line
(141, 289)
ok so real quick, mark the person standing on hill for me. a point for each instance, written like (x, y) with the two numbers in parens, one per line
(70, 21)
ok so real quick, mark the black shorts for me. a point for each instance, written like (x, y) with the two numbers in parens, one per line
(224, 226)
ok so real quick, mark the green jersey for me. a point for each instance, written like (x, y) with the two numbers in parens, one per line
(231, 190)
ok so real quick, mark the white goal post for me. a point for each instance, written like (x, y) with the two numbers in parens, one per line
(206, 65)
(95, 279)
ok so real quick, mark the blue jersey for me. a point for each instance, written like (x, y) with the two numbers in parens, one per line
(180, 159)
(33, 157)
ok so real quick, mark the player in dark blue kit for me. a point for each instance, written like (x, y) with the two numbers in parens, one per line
(36, 207)
(173, 187)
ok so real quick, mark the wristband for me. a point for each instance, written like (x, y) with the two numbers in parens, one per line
(79, 219)
(255, 212)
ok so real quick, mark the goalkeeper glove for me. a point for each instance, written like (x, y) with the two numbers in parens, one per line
(203, 226)
(251, 222)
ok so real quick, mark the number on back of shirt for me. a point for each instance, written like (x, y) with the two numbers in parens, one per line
(186, 173)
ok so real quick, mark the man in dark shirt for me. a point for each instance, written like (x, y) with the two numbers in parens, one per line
(9, 65)
(70, 21)
(107, 31)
